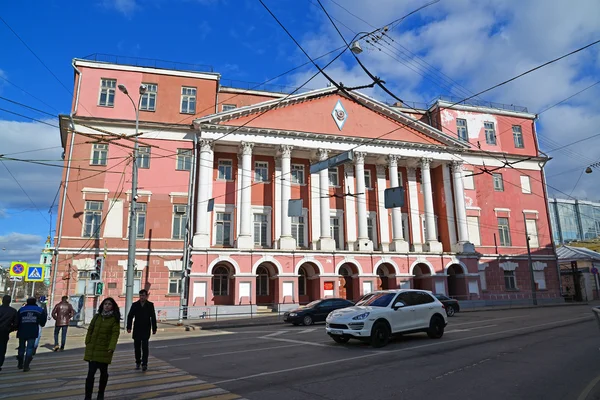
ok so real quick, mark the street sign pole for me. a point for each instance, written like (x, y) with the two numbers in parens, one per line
(13, 290)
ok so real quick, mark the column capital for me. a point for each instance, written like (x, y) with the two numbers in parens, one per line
(286, 150)
(322, 154)
(393, 159)
(359, 157)
(246, 148)
(426, 162)
(457, 166)
(205, 145)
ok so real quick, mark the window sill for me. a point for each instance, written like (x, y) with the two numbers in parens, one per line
(263, 182)
(148, 110)
(187, 113)
(172, 295)
(186, 170)
(225, 180)
(298, 184)
(106, 106)
(512, 290)
(97, 165)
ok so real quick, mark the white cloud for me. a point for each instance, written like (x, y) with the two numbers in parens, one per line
(20, 247)
(124, 6)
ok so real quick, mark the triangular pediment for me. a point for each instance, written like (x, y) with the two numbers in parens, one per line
(330, 112)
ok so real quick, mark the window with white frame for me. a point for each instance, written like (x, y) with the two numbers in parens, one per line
(107, 92)
(225, 170)
(540, 279)
(92, 218)
(333, 177)
(298, 229)
(461, 129)
(400, 181)
(498, 182)
(84, 283)
(229, 107)
(473, 229)
(188, 100)
(368, 181)
(468, 180)
(371, 229)
(483, 280)
(525, 184)
(140, 217)
(504, 231)
(137, 281)
(298, 174)
(175, 282)
(261, 171)
(148, 100)
(260, 230)
(302, 282)
(490, 133)
(143, 157)
(262, 281)
(518, 136)
(220, 281)
(223, 229)
(510, 281)
(99, 154)
(184, 159)
(532, 232)
(179, 220)
(334, 228)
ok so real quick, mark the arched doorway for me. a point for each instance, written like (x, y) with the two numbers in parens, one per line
(308, 283)
(266, 284)
(385, 277)
(347, 287)
(222, 284)
(422, 277)
(456, 281)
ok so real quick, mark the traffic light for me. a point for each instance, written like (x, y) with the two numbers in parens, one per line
(98, 267)
(99, 289)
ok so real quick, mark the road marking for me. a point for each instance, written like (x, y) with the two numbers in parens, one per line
(343, 360)
(488, 320)
(196, 343)
(250, 350)
(179, 359)
(299, 342)
(588, 389)
(307, 330)
(470, 329)
(463, 368)
(275, 334)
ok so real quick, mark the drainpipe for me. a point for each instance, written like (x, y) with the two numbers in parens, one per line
(65, 187)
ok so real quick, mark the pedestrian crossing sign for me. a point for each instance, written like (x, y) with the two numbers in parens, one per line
(35, 273)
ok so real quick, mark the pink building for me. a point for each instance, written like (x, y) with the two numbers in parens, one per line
(461, 231)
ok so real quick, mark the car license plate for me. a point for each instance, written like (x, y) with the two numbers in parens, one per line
(336, 332)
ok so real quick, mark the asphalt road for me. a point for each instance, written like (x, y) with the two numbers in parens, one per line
(548, 353)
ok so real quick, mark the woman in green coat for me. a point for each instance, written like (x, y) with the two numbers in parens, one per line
(100, 344)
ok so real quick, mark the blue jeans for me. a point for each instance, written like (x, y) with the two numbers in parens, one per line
(25, 346)
(63, 335)
(37, 341)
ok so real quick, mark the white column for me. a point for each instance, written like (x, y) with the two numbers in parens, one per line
(244, 240)
(431, 242)
(398, 243)
(415, 220)
(325, 241)
(463, 244)
(350, 211)
(450, 220)
(315, 210)
(277, 203)
(363, 243)
(382, 212)
(286, 242)
(202, 233)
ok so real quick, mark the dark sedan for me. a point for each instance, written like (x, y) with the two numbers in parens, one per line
(315, 311)
(451, 305)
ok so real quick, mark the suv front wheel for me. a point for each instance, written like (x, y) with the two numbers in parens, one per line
(380, 334)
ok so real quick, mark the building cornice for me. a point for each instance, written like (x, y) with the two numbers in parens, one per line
(149, 70)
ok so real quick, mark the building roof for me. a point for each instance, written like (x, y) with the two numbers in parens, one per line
(570, 253)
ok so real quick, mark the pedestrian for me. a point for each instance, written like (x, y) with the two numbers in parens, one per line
(62, 313)
(100, 344)
(30, 318)
(42, 305)
(8, 323)
(145, 320)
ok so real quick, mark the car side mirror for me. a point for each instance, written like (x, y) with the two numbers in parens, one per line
(398, 305)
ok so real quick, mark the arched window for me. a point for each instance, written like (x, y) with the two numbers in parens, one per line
(262, 281)
(302, 282)
(220, 281)
(344, 271)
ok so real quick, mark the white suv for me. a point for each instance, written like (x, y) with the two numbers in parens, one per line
(379, 315)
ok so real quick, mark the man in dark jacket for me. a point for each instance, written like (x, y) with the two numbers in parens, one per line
(145, 319)
(8, 323)
(62, 313)
(31, 317)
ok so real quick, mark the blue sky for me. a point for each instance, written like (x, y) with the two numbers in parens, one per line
(454, 48)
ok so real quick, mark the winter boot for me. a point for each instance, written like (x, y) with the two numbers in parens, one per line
(26, 364)
(19, 363)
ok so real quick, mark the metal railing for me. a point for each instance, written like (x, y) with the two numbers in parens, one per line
(481, 103)
(215, 313)
(148, 62)
(265, 87)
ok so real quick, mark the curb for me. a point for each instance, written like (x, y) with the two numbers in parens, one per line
(476, 309)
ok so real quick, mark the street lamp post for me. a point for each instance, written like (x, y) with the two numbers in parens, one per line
(132, 208)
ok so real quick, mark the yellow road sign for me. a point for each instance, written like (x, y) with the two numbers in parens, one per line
(18, 268)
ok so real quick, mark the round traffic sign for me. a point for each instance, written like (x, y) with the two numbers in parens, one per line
(594, 270)
(17, 269)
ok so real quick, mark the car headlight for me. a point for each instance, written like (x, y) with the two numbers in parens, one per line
(361, 316)
(293, 314)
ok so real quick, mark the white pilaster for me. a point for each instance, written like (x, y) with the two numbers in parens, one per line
(277, 203)
(463, 244)
(244, 240)
(286, 242)
(202, 232)
(350, 207)
(238, 198)
(315, 210)
(415, 221)
(399, 244)
(363, 243)
(325, 241)
(382, 213)
(431, 242)
(451, 222)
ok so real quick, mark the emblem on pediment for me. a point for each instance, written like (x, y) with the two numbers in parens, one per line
(339, 115)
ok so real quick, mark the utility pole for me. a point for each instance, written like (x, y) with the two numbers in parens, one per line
(533, 291)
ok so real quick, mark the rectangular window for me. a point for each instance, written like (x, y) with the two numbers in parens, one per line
(107, 92)
(490, 133)
(298, 230)
(370, 224)
(540, 280)
(473, 229)
(140, 216)
(498, 182)
(137, 281)
(400, 181)
(334, 228)
(260, 230)
(461, 129)
(184, 159)
(504, 232)
(148, 100)
(468, 180)
(518, 136)
(483, 280)
(525, 184)
(188, 100)
(261, 171)
(225, 170)
(99, 154)
(368, 182)
(333, 176)
(174, 282)
(223, 229)
(92, 218)
(179, 221)
(510, 282)
(229, 107)
(532, 232)
(298, 174)
(84, 283)
(143, 157)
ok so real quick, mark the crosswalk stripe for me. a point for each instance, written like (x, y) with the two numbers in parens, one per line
(17, 375)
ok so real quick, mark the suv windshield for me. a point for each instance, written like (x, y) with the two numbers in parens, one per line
(376, 300)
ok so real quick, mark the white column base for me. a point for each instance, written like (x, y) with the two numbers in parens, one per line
(245, 242)
(201, 241)
(385, 247)
(326, 244)
(287, 243)
(464, 247)
(364, 245)
(399, 246)
(416, 247)
(433, 247)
